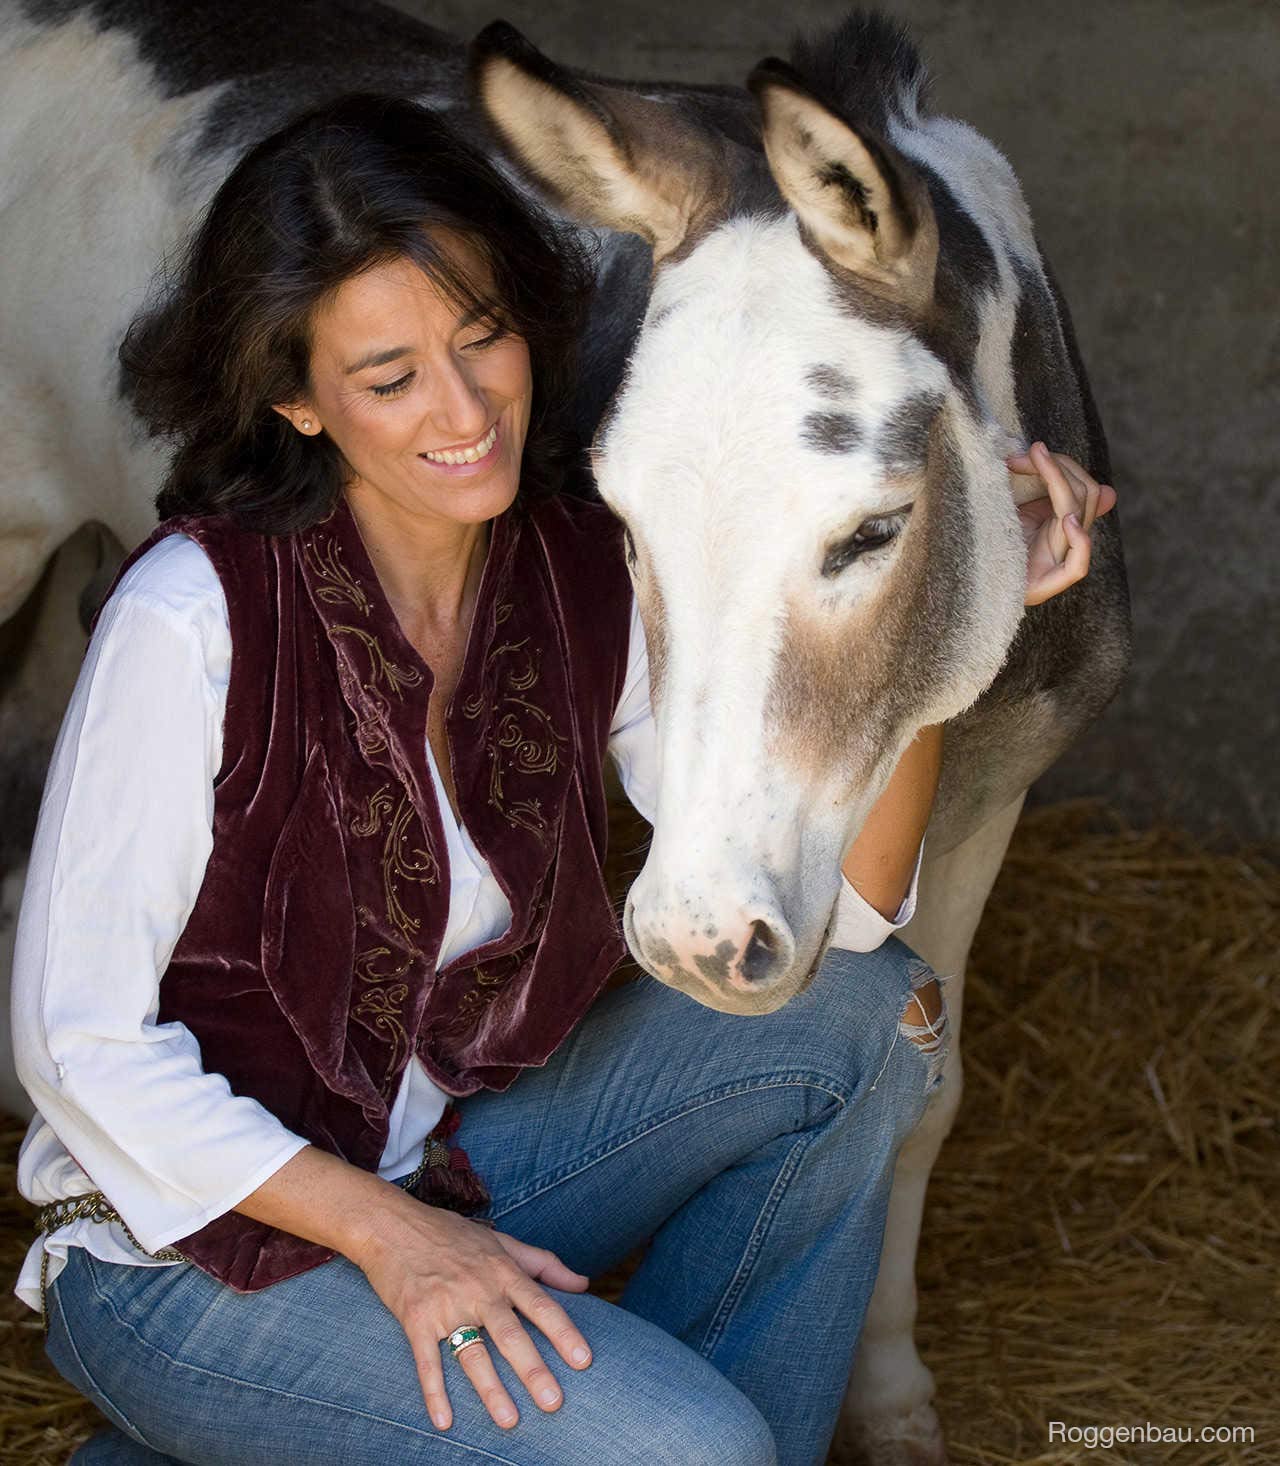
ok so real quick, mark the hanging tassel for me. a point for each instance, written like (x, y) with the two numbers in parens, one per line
(445, 1177)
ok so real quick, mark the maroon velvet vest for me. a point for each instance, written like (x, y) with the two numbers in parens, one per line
(307, 969)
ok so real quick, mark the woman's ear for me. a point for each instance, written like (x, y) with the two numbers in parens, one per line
(301, 416)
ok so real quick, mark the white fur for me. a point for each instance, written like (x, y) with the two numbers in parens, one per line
(92, 160)
(980, 177)
(705, 461)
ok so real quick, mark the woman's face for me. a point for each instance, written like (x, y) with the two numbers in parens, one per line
(430, 409)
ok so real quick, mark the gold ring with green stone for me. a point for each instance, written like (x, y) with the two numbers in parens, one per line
(462, 1338)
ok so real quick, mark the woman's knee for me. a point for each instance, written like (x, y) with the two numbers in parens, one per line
(884, 1002)
(648, 1397)
(706, 1425)
(734, 1436)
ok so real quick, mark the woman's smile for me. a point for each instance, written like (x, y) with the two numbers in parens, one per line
(469, 459)
(441, 443)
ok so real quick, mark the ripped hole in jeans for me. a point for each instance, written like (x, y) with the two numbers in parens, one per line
(925, 1020)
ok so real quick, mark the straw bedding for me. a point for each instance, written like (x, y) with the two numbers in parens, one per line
(1102, 1233)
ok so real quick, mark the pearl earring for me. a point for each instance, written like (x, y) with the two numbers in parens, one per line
(306, 424)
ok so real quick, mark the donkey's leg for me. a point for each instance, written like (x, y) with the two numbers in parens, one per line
(888, 1417)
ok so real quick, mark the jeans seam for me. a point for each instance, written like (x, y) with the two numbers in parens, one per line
(265, 1389)
(86, 1371)
(801, 1078)
(759, 1232)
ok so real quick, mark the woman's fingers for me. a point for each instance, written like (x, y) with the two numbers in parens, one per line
(542, 1310)
(543, 1264)
(472, 1275)
(1089, 498)
(1074, 567)
(1056, 525)
(1087, 489)
(478, 1367)
(1061, 492)
(426, 1355)
(508, 1335)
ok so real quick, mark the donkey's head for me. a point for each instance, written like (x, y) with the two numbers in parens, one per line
(819, 524)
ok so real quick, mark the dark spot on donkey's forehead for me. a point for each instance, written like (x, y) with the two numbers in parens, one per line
(903, 440)
(663, 313)
(830, 381)
(831, 432)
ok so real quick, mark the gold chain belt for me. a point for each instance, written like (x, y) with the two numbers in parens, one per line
(96, 1208)
(93, 1206)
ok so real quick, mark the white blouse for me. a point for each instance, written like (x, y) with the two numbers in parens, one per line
(124, 833)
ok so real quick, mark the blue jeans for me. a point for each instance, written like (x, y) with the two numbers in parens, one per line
(756, 1152)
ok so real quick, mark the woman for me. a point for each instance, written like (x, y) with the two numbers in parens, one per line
(365, 937)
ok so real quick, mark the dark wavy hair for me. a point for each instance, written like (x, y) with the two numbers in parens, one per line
(353, 184)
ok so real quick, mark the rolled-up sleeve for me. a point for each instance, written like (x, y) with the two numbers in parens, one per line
(859, 926)
(632, 737)
(123, 836)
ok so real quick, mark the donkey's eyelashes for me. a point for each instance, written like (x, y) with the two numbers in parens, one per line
(871, 534)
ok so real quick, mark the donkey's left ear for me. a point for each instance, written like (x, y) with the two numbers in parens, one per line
(863, 202)
(605, 153)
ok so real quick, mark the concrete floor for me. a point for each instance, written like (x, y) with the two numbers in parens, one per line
(1146, 136)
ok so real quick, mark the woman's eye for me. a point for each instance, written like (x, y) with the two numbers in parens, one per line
(871, 534)
(393, 389)
(482, 341)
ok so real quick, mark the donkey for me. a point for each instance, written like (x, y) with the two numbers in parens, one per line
(823, 318)
(847, 323)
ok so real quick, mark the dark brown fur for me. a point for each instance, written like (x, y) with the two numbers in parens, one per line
(844, 688)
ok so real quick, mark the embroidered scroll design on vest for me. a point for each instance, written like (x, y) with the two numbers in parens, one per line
(340, 584)
(381, 668)
(397, 865)
(324, 559)
(378, 804)
(382, 1002)
(522, 738)
(487, 982)
(489, 977)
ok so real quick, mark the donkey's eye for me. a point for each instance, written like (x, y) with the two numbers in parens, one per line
(871, 534)
(629, 546)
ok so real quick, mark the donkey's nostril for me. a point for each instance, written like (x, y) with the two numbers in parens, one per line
(760, 960)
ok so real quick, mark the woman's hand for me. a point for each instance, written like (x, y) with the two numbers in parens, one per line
(436, 1270)
(1056, 525)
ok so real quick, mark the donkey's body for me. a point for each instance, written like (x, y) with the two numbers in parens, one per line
(121, 116)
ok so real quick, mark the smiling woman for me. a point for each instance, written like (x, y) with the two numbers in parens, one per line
(328, 811)
(434, 426)
(341, 224)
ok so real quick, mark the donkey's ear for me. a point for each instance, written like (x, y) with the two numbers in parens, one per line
(864, 204)
(605, 153)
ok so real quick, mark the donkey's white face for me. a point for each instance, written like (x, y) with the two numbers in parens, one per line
(820, 539)
(821, 535)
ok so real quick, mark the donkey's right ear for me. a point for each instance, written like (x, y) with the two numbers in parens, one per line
(865, 205)
(606, 154)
